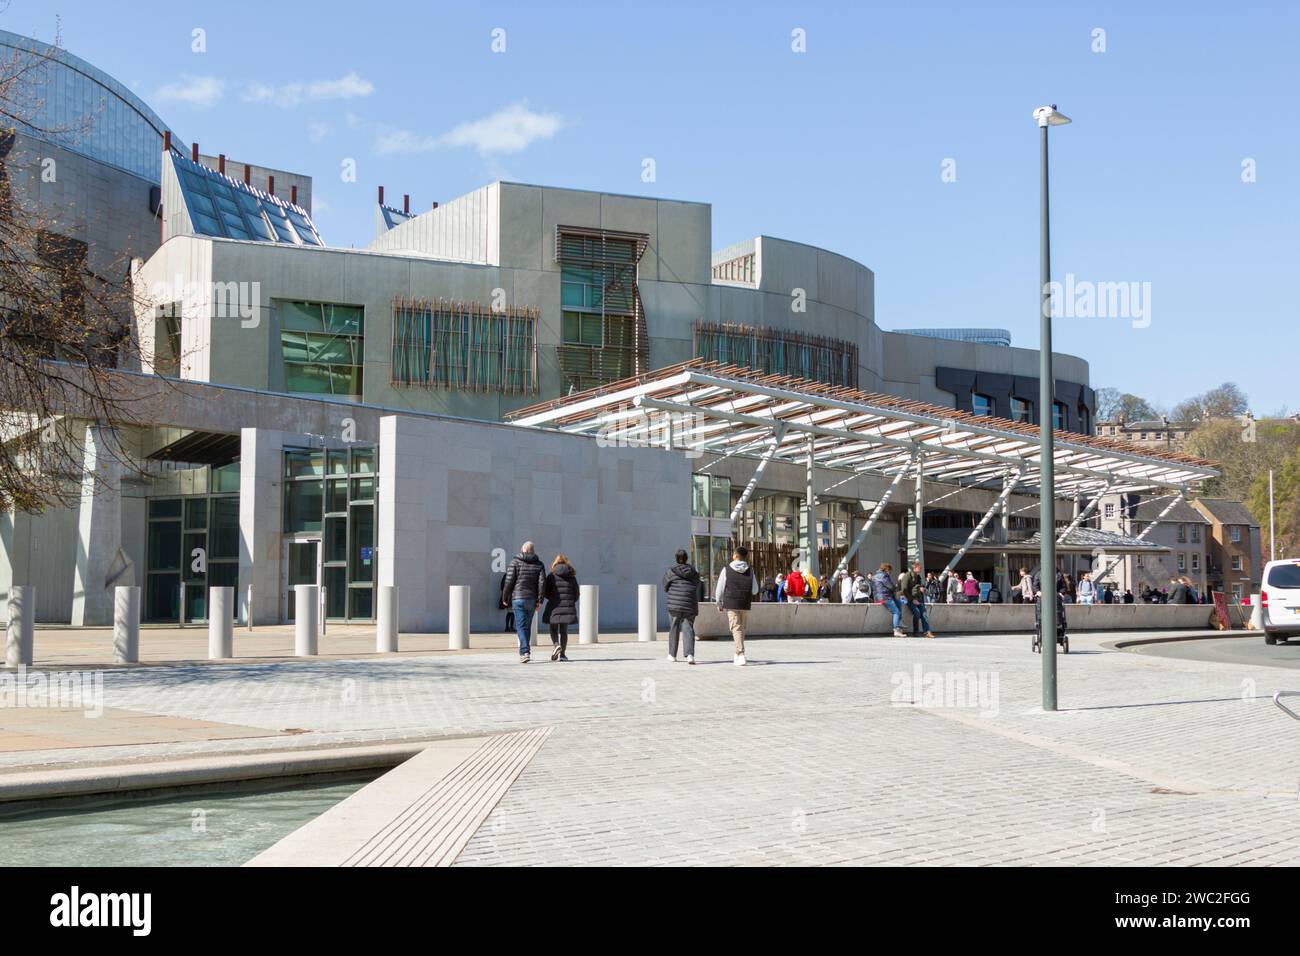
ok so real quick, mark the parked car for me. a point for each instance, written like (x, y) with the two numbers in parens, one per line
(1279, 598)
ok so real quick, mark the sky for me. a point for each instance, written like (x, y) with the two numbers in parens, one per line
(900, 135)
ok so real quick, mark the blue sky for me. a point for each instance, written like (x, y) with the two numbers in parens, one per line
(841, 146)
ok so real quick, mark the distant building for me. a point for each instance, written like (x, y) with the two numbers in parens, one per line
(1184, 530)
(1157, 434)
(1234, 547)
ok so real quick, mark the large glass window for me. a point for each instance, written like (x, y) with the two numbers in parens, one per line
(323, 348)
(191, 541)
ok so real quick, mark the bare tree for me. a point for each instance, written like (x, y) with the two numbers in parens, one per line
(65, 326)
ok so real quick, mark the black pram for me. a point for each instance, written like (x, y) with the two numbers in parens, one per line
(1062, 639)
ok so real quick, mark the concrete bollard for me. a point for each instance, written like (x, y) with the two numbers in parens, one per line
(20, 637)
(306, 611)
(458, 617)
(386, 619)
(646, 613)
(221, 623)
(537, 626)
(126, 625)
(588, 614)
(1256, 613)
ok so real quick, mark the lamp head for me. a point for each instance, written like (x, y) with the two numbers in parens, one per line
(1050, 116)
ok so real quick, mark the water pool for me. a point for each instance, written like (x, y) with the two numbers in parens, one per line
(224, 825)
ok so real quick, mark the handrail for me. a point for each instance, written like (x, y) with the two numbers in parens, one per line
(1277, 699)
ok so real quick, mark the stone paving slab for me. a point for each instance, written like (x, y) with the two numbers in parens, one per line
(824, 751)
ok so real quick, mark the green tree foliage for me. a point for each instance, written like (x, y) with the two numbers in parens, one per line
(1286, 506)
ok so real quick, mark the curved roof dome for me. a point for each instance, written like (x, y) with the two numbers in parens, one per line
(81, 108)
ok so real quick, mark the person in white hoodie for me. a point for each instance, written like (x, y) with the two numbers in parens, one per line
(735, 592)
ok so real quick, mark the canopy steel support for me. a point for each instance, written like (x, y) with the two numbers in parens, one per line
(1141, 535)
(810, 506)
(1084, 514)
(777, 435)
(866, 528)
(1008, 485)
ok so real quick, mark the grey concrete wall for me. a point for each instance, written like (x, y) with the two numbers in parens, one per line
(847, 620)
(456, 500)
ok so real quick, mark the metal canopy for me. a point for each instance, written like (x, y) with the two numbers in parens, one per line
(725, 409)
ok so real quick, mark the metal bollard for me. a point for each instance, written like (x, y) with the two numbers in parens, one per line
(306, 609)
(180, 611)
(221, 623)
(646, 613)
(588, 613)
(386, 619)
(458, 617)
(20, 637)
(126, 625)
(248, 609)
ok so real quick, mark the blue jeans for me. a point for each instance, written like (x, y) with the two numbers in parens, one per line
(919, 616)
(523, 611)
(896, 609)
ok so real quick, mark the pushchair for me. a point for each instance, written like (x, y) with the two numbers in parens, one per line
(1062, 638)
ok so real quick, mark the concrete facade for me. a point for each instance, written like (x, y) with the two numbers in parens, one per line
(498, 243)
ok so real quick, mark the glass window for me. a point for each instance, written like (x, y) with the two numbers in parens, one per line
(196, 513)
(720, 495)
(194, 565)
(1182, 533)
(1182, 561)
(1236, 534)
(363, 543)
(337, 500)
(336, 591)
(363, 461)
(322, 348)
(303, 463)
(336, 461)
(226, 478)
(363, 489)
(336, 539)
(700, 496)
(164, 507)
(304, 508)
(223, 533)
(165, 545)
(1196, 561)
(1020, 410)
(1058, 416)
(583, 329)
(981, 404)
(1196, 534)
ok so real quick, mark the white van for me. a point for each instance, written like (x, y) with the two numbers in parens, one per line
(1280, 598)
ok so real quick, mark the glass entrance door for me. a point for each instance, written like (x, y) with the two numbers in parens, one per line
(302, 565)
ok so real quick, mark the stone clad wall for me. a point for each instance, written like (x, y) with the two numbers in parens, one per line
(457, 497)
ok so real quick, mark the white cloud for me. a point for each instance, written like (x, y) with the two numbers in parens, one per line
(347, 87)
(506, 131)
(317, 131)
(199, 91)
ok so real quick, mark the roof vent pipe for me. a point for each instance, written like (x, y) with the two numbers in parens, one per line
(194, 153)
(221, 163)
(270, 185)
(406, 204)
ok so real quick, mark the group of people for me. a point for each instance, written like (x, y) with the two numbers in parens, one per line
(527, 584)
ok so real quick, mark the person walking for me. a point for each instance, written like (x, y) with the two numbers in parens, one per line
(1026, 587)
(734, 593)
(887, 594)
(933, 589)
(521, 589)
(560, 589)
(911, 586)
(971, 588)
(682, 582)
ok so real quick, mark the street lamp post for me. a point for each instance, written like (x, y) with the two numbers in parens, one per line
(1047, 116)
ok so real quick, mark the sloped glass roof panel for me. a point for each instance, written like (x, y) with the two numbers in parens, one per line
(225, 207)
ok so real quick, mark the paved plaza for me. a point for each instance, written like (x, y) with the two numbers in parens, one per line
(837, 750)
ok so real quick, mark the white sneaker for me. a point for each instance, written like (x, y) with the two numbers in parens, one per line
(690, 658)
(739, 660)
(899, 634)
(671, 659)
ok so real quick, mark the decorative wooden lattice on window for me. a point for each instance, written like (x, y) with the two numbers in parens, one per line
(779, 352)
(611, 259)
(464, 345)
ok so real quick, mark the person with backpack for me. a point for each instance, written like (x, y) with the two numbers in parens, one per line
(887, 594)
(520, 590)
(911, 587)
(794, 585)
(560, 589)
(735, 593)
(1087, 591)
(682, 582)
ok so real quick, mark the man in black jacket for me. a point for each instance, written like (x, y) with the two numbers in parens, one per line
(734, 593)
(520, 590)
(682, 582)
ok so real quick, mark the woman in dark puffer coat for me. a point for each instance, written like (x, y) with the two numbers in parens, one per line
(561, 592)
